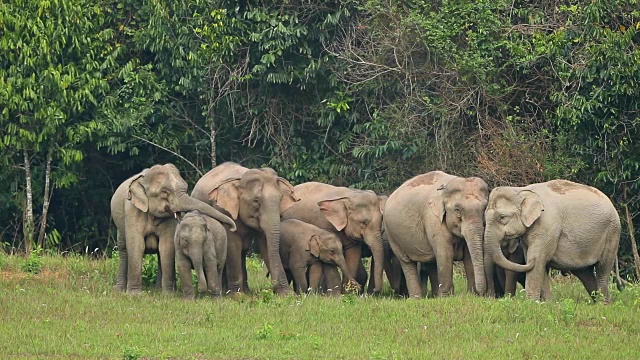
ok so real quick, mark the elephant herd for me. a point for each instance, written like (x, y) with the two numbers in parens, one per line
(310, 233)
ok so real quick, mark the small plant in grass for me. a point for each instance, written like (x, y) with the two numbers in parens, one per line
(349, 298)
(33, 263)
(568, 310)
(266, 296)
(131, 353)
(149, 270)
(264, 332)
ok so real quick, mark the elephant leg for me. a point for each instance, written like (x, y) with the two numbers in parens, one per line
(510, 281)
(444, 260)
(546, 287)
(490, 274)
(393, 271)
(361, 276)
(167, 255)
(432, 278)
(159, 273)
(135, 253)
(468, 271)
(588, 279)
(234, 263)
(121, 281)
(264, 251)
(352, 256)
(535, 280)
(315, 276)
(372, 283)
(184, 273)
(300, 276)
(245, 275)
(423, 274)
(409, 269)
(332, 279)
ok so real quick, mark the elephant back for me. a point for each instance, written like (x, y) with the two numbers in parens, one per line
(215, 177)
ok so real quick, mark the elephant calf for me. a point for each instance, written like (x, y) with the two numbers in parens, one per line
(304, 246)
(201, 244)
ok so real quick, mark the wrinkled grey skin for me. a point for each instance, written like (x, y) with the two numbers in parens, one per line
(201, 245)
(305, 247)
(143, 209)
(254, 198)
(562, 225)
(501, 282)
(355, 215)
(430, 217)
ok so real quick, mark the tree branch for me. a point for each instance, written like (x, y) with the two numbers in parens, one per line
(170, 151)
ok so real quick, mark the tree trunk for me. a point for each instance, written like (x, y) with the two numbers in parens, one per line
(27, 222)
(632, 236)
(212, 136)
(46, 201)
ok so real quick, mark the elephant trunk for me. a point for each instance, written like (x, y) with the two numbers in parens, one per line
(196, 260)
(342, 264)
(374, 241)
(492, 246)
(270, 224)
(186, 203)
(473, 234)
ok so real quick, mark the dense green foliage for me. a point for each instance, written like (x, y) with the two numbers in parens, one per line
(70, 310)
(350, 92)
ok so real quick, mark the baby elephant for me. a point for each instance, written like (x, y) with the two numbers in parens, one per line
(303, 246)
(201, 244)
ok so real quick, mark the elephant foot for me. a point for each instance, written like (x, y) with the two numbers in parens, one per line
(283, 291)
(134, 292)
(120, 288)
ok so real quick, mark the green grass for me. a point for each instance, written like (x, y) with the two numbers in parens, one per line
(69, 310)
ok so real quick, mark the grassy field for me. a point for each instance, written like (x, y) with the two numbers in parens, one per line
(69, 310)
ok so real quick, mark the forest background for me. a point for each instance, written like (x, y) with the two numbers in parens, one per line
(349, 92)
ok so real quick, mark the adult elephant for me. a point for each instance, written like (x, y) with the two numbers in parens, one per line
(563, 225)
(428, 218)
(143, 208)
(254, 198)
(355, 215)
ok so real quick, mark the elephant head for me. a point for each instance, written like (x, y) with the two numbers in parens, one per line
(328, 248)
(194, 240)
(509, 215)
(258, 198)
(359, 216)
(460, 204)
(162, 192)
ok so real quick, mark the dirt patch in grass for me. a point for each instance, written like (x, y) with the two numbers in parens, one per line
(44, 276)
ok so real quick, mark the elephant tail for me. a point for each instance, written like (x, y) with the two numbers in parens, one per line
(620, 283)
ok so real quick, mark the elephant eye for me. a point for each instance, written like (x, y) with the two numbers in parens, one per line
(457, 211)
(256, 203)
(364, 222)
(164, 194)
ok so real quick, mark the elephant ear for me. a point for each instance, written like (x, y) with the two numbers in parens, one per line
(289, 197)
(335, 210)
(531, 207)
(314, 245)
(137, 194)
(227, 196)
(437, 203)
(382, 201)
